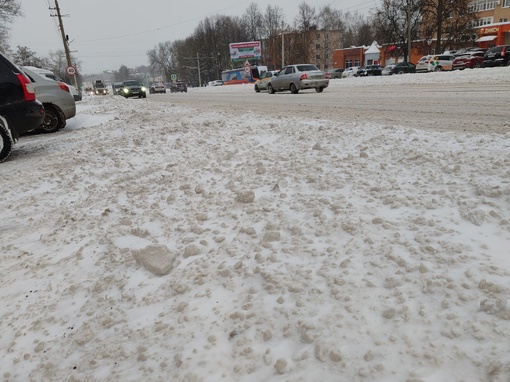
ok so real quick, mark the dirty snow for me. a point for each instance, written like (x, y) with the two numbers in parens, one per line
(179, 244)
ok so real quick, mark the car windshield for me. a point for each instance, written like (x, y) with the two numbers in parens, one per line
(131, 83)
(306, 68)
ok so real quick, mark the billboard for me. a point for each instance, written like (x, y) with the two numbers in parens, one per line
(241, 51)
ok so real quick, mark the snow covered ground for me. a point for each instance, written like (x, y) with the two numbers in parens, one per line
(173, 243)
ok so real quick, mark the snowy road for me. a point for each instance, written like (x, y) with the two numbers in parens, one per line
(471, 106)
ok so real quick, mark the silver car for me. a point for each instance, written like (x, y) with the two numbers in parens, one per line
(56, 97)
(298, 77)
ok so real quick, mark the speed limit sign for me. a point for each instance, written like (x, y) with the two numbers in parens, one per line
(71, 70)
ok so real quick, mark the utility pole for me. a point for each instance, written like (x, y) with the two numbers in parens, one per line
(199, 77)
(66, 44)
(409, 45)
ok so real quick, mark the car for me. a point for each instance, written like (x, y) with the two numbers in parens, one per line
(472, 60)
(52, 76)
(369, 70)
(158, 87)
(116, 86)
(435, 63)
(59, 104)
(215, 83)
(133, 88)
(350, 72)
(399, 68)
(178, 86)
(497, 56)
(298, 77)
(261, 83)
(20, 111)
(335, 73)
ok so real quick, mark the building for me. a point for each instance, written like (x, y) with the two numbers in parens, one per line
(491, 28)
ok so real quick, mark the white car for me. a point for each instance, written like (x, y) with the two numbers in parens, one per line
(215, 83)
(350, 72)
(56, 97)
(435, 63)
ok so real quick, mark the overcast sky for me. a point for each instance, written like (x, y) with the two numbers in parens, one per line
(107, 34)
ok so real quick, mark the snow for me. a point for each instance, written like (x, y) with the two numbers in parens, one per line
(176, 244)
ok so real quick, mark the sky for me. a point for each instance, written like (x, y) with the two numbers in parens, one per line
(148, 241)
(108, 34)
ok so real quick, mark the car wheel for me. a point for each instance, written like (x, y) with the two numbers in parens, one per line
(293, 89)
(52, 121)
(257, 90)
(476, 65)
(437, 69)
(270, 89)
(319, 89)
(400, 72)
(6, 142)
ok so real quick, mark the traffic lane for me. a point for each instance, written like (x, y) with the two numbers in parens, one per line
(463, 107)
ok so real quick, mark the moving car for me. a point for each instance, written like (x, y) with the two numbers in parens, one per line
(178, 86)
(399, 68)
(497, 56)
(20, 111)
(335, 73)
(298, 77)
(158, 87)
(369, 70)
(133, 88)
(116, 86)
(59, 104)
(261, 83)
(436, 63)
(471, 60)
(350, 72)
(215, 83)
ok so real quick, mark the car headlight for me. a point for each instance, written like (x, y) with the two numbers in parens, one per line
(125, 90)
(144, 89)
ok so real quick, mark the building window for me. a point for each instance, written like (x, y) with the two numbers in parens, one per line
(348, 63)
(317, 46)
(318, 57)
(503, 20)
(505, 3)
(482, 5)
(356, 62)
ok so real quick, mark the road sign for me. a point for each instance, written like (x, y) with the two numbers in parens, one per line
(173, 77)
(247, 69)
(71, 70)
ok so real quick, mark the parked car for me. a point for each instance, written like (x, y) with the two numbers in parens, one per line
(497, 56)
(471, 60)
(435, 63)
(59, 104)
(261, 83)
(335, 73)
(158, 87)
(298, 77)
(399, 68)
(369, 70)
(350, 72)
(20, 111)
(116, 87)
(52, 76)
(178, 86)
(133, 88)
(215, 83)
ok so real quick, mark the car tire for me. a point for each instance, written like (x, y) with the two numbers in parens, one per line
(476, 65)
(270, 89)
(319, 89)
(257, 90)
(6, 142)
(293, 89)
(437, 69)
(401, 72)
(52, 121)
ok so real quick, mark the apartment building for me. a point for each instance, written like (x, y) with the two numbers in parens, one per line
(492, 22)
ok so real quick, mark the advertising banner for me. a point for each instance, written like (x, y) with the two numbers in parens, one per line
(241, 51)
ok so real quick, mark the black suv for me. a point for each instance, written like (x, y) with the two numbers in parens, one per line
(20, 111)
(179, 87)
(497, 56)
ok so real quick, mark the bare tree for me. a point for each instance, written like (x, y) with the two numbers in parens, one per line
(273, 21)
(332, 19)
(306, 17)
(9, 9)
(253, 20)
(26, 57)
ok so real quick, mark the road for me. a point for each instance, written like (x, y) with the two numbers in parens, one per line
(458, 107)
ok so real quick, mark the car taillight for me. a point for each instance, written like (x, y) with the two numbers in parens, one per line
(303, 77)
(503, 51)
(63, 86)
(28, 87)
(327, 75)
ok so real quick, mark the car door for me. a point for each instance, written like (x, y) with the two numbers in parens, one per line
(285, 77)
